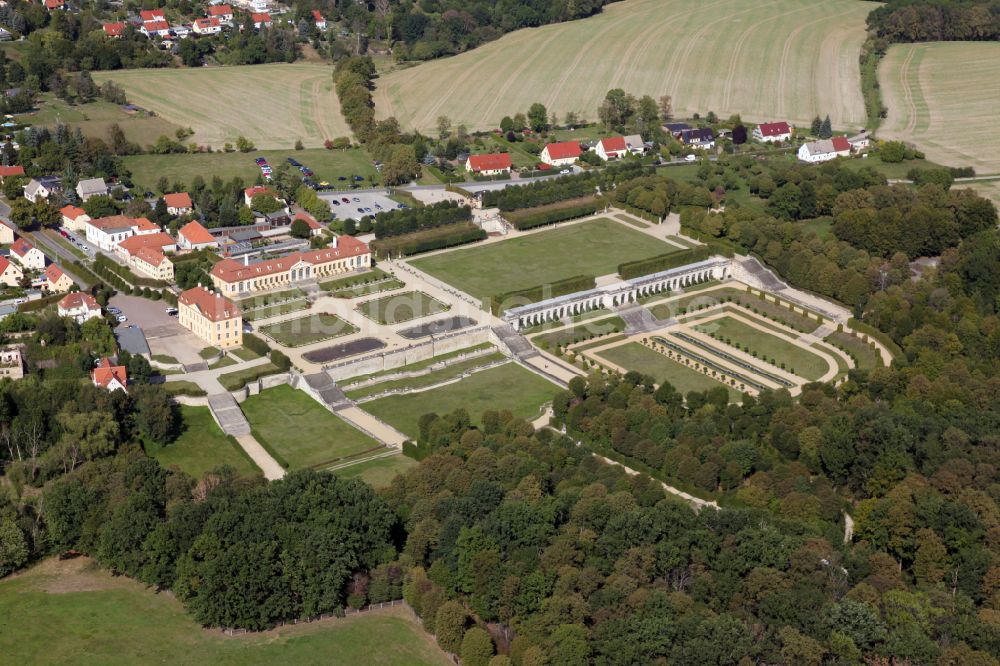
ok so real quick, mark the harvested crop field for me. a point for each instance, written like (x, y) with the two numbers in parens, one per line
(786, 59)
(943, 98)
(272, 105)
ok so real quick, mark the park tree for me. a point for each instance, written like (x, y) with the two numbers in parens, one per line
(506, 124)
(300, 229)
(265, 203)
(100, 205)
(538, 117)
(157, 416)
(477, 647)
(666, 103)
(520, 122)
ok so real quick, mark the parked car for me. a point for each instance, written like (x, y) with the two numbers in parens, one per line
(294, 162)
(121, 318)
(341, 177)
(691, 158)
(356, 200)
(334, 202)
(564, 171)
(114, 311)
(171, 311)
(260, 161)
(247, 327)
(360, 209)
(346, 200)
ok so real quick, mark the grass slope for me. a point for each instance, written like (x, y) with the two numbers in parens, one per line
(787, 59)
(506, 387)
(96, 118)
(378, 473)
(300, 430)
(202, 446)
(943, 97)
(634, 356)
(589, 248)
(73, 612)
(272, 105)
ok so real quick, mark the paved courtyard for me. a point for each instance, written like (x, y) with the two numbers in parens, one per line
(165, 336)
(356, 200)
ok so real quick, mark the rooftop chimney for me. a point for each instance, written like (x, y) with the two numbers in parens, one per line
(333, 243)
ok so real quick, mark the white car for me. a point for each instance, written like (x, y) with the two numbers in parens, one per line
(171, 311)
(566, 171)
(691, 158)
(121, 318)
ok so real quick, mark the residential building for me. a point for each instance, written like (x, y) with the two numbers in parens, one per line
(12, 362)
(7, 231)
(860, 141)
(74, 218)
(43, 187)
(110, 377)
(52, 5)
(346, 254)
(824, 149)
(114, 30)
(772, 132)
(561, 154)
(193, 236)
(10, 273)
(675, 129)
(702, 138)
(315, 228)
(178, 203)
(612, 148)
(492, 164)
(155, 29)
(80, 306)
(56, 281)
(261, 20)
(91, 187)
(221, 12)
(318, 20)
(147, 15)
(207, 26)
(635, 144)
(152, 262)
(181, 31)
(6, 171)
(107, 232)
(29, 256)
(211, 316)
(250, 192)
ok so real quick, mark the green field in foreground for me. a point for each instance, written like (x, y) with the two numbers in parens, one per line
(634, 356)
(506, 387)
(588, 248)
(378, 473)
(795, 359)
(300, 430)
(201, 447)
(183, 167)
(73, 612)
(306, 330)
(397, 308)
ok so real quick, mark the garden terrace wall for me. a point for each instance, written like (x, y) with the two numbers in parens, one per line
(662, 262)
(510, 299)
(397, 358)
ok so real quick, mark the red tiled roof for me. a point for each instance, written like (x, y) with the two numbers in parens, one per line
(318, 16)
(201, 23)
(774, 129)
(104, 373)
(213, 307)
(72, 212)
(53, 273)
(563, 150)
(53, 4)
(309, 219)
(261, 17)
(151, 255)
(21, 247)
(156, 26)
(251, 192)
(78, 300)
(133, 244)
(614, 144)
(4, 265)
(840, 143)
(196, 234)
(179, 199)
(16, 170)
(143, 224)
(489, 162)
(152, 15)
(114, 29)
(112, 222)
(230, 270)
(220, 10)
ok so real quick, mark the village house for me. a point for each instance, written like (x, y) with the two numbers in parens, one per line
(611, 148)
(10, 273)
(772, 132)
(53, 5)
(56, 281)
(107, 232)
(74, 218)
(42, 187)
(207, 26)
(318, 20)
(12, 362)
(492, 164)
(157, 28)
(7, 231)
(91, 187)
(29, 256)
(261, 20)
(6, 171)
(346, 254)
(701, 138)
(211, 316)
(221, 12)
(824, 149)
(860, 141)
(79, 306)
(315, 228)
(145, 253)
(250, 192)
(178, 203)
(110, 377)
(675, 129)
(193, 236)
(147, 15)
(114, 30)
(561, 154)
(635, 144)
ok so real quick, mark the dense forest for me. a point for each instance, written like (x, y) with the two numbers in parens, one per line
(936, 20)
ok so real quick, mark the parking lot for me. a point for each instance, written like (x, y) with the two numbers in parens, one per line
(164, 335)
(370, 200)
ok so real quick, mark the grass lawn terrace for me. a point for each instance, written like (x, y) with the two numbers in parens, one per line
(300, 430)
(634, 356)
(378, 473)
(307, 330)
(74, 612)
(588, 248)
(796, 360)
(201, 446)
(397, 308)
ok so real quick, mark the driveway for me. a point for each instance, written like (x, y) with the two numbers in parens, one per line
(164, 335)
(368, 199)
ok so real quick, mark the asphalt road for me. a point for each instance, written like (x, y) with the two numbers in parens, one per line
(55, 251)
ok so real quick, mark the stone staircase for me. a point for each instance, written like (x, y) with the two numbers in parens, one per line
(328, 393)
(638, 319)
(758, 275)
(516, 343)
(228, 414)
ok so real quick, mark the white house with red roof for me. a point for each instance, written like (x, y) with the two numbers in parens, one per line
(318, 20)
(315, 228)
(79, 306)
(193, 236)
(772, 132)
(7, 232)
(74, 217)
(10, 273)
(824, 150)
(107, 232)
(110, 377)
(221, 12)
(212, 317)
(490, 164)
(29, 256)
(114, 30)
(152, 15)
(54, 4)
(159, 28)
(563, 153)
(146, 254)
(207, 26)
(56, 280)
(251, 192)
(611, 148)
(261, 20)
(178, 203)
(15, 170)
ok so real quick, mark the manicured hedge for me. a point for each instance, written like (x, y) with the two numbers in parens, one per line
(540, 292)
(432, 239)
(525, 219)
(256, 345)
(873, 332)
(662, 262)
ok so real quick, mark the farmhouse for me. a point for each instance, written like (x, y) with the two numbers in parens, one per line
(6, 171)
(178, 203)
(91, 187)
(29, 256)
(193, 236)
(42, 187)
(261, 20)
(56, 281)
(860, 141)
(212, 317)
(824, 149)
(492, 164)
(221, 12)
(561, 154)
(207, 26)
(79, 306)
(346, 254)
(74, 217)
(772, 132)
(110, 377)
(635, 144)
(318, 19)
(6, 232)
(114, 30)
(10, 273)
(698, 137)
(612, 148)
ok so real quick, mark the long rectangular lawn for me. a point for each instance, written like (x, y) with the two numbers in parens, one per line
(508, 386)
(306, 330)
(634, 356)
(201, 446)
(796, 359)
(589, 248)
(397, 308)
(300, 430)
